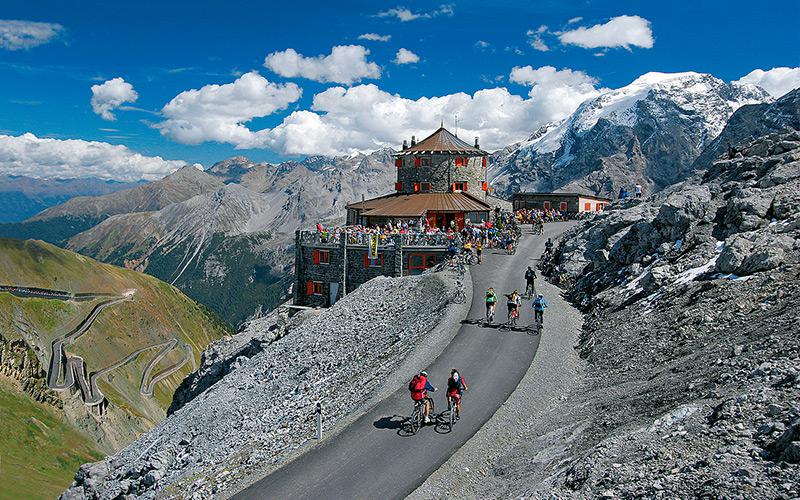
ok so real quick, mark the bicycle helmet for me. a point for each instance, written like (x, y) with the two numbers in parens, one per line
(540, 296)
(423, 373)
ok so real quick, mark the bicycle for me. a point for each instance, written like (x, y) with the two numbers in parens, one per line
(513, 316)
(530, 290)
(417, 419)
(453, 415)
(490, 315)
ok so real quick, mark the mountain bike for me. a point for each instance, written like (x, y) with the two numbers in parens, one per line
(530, 290)
(452, 413)
(490, 315)
(417, 419)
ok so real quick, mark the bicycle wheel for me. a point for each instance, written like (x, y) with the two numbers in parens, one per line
(416, 417)
(452, 413)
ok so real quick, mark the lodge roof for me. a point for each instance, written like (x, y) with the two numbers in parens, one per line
(416, 205)
(442, 141)
(523, 194)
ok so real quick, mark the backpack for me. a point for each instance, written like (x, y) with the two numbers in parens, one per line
(417, 385)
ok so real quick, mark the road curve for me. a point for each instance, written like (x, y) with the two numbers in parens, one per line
(369, 458)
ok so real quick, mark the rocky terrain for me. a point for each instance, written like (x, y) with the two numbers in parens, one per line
(275, 372)
(688, 380)
(649, 132)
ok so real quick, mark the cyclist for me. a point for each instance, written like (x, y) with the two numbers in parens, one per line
(530, 281)
(491, 300)
(539, 306)
(419, 388)
(467, 250)
(456, 385)
(513, 301)
(451, 252)
(548, 246)
(479, 250)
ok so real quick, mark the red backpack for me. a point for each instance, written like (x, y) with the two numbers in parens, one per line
(417, 387)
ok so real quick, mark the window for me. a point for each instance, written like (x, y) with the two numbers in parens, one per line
(460, 161)
(546, 205)
(425, 187)
(459, 186)
(373, 263)
(563, 206)
(418, 262)
(426, 162)
(417, 187)
(313, 288)
(322, 256)
(587, 207)
(483, 161)
(398, 186)
(599, 207)
(484, 186)
(417, 161)
(398, 162)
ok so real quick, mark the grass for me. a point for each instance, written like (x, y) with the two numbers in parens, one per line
(39, 453)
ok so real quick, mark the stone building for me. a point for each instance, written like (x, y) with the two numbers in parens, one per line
(441, 182)
(569, 203)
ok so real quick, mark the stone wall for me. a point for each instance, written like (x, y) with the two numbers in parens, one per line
(393, 261)
(442, 173)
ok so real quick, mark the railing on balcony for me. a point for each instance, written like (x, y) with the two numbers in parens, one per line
(361, 238)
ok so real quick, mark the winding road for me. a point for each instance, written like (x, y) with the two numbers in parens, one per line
(370, 458)
(66, 371)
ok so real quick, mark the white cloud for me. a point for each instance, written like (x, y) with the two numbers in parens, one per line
(620, 31)
(405, 15)
(557, 93)
(219, 112)
(575, 20)
(405, 56)
(16, 35)
(535, 39)
(374, 37)
(482, 44)
(110, 95)
(776, 81)
(73, 158)
(345, 64)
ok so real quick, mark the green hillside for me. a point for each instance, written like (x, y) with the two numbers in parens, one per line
(58, 449)
(142, 317)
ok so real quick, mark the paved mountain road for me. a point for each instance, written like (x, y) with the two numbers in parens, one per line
(369, 459)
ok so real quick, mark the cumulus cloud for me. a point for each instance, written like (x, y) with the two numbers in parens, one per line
(110, 95)
(403, 14)
(620, 31)
(374, 37)
(345, 64)
(405, 56)
(219, 112)
(73, 158)
(557, 93)
(776, 81)
(575, 20)
(16, 35)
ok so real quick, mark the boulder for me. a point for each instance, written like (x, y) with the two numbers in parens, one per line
(737, 249)
(768, 253)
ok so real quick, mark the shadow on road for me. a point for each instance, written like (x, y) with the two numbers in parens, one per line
(393, 423)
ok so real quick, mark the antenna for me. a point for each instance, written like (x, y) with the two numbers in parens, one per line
(456, 124)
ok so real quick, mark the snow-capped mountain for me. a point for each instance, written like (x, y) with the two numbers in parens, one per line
(648, 132)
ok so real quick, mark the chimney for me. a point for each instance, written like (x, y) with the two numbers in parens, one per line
(413, 141)
(405, 144)
(476, 143)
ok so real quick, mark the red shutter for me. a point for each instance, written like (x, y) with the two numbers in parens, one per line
(416, 161)
(459, 162)
(483, 186)
(316, 256)
(398, 186)
(484, 161)
(398, 162)
(416, 187)
(466, 186)
(309, 288)
(366, 260)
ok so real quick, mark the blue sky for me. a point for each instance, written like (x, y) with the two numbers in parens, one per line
(164, 48)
